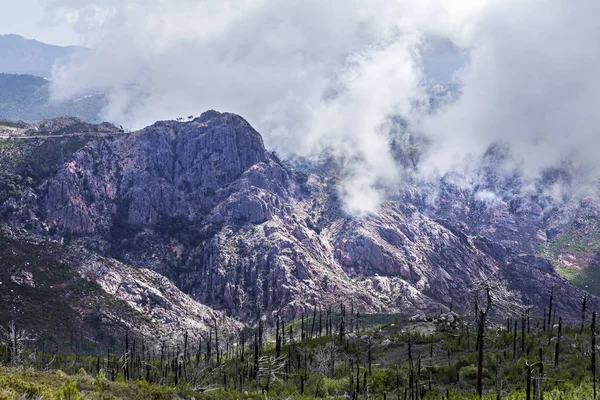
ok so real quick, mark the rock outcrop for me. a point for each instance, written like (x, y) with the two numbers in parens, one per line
(206, 205)
(62, 291)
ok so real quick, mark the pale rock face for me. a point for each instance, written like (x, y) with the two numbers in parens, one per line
(23, 278)
(150, 294)
(204, 204)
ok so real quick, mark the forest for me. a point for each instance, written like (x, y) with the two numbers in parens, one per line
(332, 352)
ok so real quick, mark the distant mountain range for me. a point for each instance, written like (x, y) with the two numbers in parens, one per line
(25, 66)
(25, 56)
(27, 98)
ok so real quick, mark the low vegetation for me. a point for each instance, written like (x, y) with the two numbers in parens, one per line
(328, 354)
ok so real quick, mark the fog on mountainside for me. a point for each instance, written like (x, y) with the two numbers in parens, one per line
(28, 98)
(332, 80)
(394, 199)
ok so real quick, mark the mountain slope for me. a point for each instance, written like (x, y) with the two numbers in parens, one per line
(62, 291)
(25, 56)
(204, 203)
(555, 216)
(27, 98)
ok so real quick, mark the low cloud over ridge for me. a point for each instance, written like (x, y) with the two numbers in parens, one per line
(332, 76)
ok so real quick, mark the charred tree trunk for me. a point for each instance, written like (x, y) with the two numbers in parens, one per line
(583, 306)
(277, 339)
(370, 357)
(312, 328)
(528, 389)
(593, 328)
(523, 333)
(550, 308)
(558, 337)
(544, 321)
(515, 342)
(480, 339)
(541, 361)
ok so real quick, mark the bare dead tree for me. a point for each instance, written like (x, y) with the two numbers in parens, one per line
(325, 358)
(528, 389)
(523, 322)
(488, 294)
(15, 340)
(277, 338)
(483, 313)
(550, 325)
(583, 307)
(558, 338)
(593, 367)
(541, 365)
(270, 368)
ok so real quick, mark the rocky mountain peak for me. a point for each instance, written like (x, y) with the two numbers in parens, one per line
(203, 203)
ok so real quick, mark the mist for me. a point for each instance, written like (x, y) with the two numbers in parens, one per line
(334, 76)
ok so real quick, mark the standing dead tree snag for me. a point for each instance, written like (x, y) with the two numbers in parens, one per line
(550, 324)
(583, 307)
(486, 288)
(15, 341)
(593, 367)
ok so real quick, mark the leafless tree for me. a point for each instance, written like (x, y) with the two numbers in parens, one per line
(486, 288)
(325, 358)
(487, 294)
(271, 368)
(15, 340)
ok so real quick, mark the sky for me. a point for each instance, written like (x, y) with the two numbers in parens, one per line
(335, 77)
(29, 18)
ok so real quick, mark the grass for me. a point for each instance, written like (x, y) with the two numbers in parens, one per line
(587, 278)
(27, 383)
(444, 364)
(7, 144)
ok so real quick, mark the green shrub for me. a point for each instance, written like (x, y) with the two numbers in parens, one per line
(327, 387)
(68, 391)
(383, 380)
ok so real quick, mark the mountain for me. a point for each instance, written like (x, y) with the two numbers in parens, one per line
(27, 98)
(65, 291)
(555, 216)
(25, 56)
(25, 66)
(236, 229)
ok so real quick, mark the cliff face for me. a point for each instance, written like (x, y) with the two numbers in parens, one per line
(204, 204)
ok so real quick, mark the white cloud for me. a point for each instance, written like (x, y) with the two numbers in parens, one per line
(316, 75)
(531, 83)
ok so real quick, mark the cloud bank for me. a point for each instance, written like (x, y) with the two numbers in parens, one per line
(334, 76)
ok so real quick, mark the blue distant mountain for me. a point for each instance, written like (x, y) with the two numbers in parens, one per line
(25, 66)
(27, 98)
(19, 55)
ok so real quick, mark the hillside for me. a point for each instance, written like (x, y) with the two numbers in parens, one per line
(430, 357)
(27, 98)
(206, 205)
(25, 56)
(68, 296)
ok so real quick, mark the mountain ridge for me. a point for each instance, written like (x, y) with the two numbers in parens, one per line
(28, 98)
(206, 205)
(19, 55)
